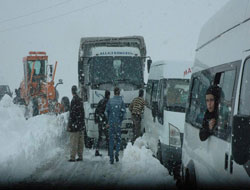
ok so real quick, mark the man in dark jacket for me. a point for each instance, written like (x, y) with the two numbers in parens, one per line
(76, 126)
(115, 110)
(102, 121)
(211, 114)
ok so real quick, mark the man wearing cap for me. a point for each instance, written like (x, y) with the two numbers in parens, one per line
(211, 114)
(76, 126)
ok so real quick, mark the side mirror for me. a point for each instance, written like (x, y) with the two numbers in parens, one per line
(240, 139)
(149, 62)
(154, 109)
(60, 81)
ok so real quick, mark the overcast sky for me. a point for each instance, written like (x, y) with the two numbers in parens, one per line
(170, 28)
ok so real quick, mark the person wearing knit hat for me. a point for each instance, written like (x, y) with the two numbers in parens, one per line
(211, 114)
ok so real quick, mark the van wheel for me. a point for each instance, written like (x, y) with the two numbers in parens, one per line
(159, 153)
(190, 179)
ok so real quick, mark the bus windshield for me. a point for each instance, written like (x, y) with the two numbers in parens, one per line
(176, 94)
(122, 69)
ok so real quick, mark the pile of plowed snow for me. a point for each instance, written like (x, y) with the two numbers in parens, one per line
(36, 151)
(26, 144)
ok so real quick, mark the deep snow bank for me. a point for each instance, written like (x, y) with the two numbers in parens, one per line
(36, 151)
(140, 167)
(26, 144)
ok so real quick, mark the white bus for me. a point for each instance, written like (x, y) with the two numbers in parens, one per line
(222, 59)
(164, 116)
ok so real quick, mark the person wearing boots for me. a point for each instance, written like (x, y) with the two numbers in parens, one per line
(102, 122)
(76, 126)
(115, 110)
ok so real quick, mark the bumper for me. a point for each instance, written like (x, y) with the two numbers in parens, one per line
(171, 156)
(126, 129)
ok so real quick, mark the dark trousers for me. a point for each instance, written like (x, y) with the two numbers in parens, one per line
(114, 140)
(102, 130)
(136, 126)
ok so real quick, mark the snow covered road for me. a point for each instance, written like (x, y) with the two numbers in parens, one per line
(36, 151)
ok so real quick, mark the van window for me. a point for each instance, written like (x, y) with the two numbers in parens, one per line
(225, 105)
(149, 93)
(226, 84)
(176, 94)
(197, 104)
(160, 115)
(154, 91)
(245, 90)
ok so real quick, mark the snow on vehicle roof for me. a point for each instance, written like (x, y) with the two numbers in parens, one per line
(130, 41)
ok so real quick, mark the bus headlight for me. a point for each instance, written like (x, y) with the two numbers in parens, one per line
(174, 136)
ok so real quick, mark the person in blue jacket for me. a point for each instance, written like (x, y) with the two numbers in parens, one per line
(115, 110)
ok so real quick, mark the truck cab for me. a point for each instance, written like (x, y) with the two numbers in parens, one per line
(109, 62)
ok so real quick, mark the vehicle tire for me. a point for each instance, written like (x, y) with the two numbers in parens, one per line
(66, 103)
(190, 179)
(159, 153)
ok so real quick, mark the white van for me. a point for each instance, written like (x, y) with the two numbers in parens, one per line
(164, 116)
(223, 59)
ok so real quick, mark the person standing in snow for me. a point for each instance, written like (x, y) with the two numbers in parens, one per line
(136, 108)
(115, 110)
(211, 114)
(76, 126)
(102, 122)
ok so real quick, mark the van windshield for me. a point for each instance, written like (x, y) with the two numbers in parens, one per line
(120, 69)
(176, 94)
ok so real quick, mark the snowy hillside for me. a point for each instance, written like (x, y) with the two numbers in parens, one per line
(36, 151)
